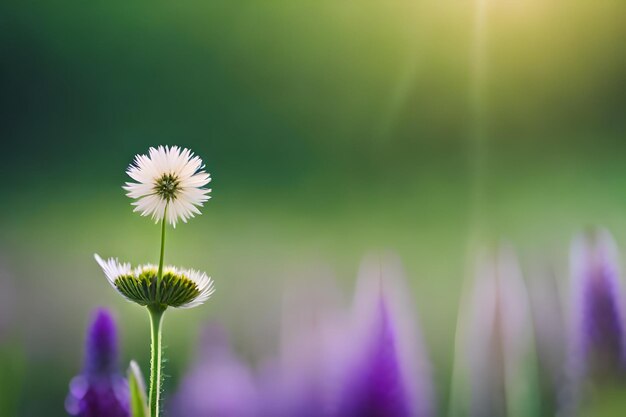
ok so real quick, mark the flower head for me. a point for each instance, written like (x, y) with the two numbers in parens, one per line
(389, 374)
(100, 390)
(183, 288)
(169, 184)
(101, 353)
(598, 316)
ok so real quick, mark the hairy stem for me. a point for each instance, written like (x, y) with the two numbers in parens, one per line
(156, 322)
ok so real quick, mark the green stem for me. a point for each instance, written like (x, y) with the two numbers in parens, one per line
(162, 255)
(156, 322)
(160, 273)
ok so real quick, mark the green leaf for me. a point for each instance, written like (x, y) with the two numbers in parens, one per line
(137, 387)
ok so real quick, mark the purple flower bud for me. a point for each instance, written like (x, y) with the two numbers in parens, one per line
(218, 384)
(100, 390)
(377, 386)
(389, 375)
(598, 327)
(101, 356)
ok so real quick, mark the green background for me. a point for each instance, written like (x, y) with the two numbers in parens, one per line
(331, 129)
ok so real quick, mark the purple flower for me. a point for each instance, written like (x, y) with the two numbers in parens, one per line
(497, 339)
(598, 326)
(219, 384)
(377, 384)
(388, 375)
(306, 378)
(100, 390)
(331, 363)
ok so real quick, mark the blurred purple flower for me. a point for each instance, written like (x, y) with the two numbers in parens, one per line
(366, 364)
(100, 390)
(331, 363)
(388, 374)
(302, 379)
(598, 317)
(498, 340)
(550, 332)
(377, 388)
(218, 384)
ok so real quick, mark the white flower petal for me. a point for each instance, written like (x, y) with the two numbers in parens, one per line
(113, 269)
(181, 170)
(205, 286)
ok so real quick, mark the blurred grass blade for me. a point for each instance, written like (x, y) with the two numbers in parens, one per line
(137, 387)
(12, 370)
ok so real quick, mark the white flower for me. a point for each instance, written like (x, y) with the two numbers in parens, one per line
(169, 183)
(182, 288)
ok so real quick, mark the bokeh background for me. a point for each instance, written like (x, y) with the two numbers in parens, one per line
(331, 129)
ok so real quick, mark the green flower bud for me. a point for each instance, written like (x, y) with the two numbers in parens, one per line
(182, 288)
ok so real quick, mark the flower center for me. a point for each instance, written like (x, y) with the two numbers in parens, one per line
(166, 186)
